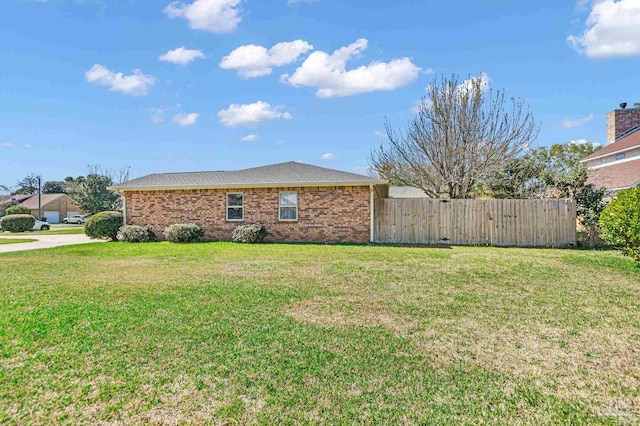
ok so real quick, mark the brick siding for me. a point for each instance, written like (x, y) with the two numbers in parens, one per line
(325, 214)
(621, 121)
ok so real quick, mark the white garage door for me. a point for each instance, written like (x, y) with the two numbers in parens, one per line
(52, 217)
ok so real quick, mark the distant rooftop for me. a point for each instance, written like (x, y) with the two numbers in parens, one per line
(283, 174)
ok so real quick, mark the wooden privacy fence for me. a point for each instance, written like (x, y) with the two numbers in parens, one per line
(524, 223)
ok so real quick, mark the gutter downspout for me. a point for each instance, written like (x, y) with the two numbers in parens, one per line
(371, 216)
(124, 208)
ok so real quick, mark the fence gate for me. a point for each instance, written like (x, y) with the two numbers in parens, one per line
(523, 223)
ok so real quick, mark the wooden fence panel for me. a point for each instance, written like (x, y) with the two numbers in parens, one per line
(522, 223)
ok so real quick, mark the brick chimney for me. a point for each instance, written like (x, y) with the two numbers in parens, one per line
(621, 121)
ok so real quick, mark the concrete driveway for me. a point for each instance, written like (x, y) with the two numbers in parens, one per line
(44, 241)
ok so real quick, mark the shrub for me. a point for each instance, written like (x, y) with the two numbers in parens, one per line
(184, 233)
(104, 225)
(136, 234)
(18, 210)
(590, 204)
(620, 222)
(249, 234)
(18, 222)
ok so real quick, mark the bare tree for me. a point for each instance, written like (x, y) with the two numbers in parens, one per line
(463, 132)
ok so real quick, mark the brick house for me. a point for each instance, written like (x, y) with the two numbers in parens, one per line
(296, 202)
(617, 165)
(54, 207)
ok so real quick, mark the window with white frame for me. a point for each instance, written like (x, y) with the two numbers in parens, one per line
(620, 156)
(288, 210)
(235, 206)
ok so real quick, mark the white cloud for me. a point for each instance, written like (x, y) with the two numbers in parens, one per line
(380, 134)
(181, 56)
(328, 156)
(569, 124)
(329, 75)
(6, 145)
(185, 120)
(26, 145)
(136, 84)
(612, 29)
(256, 61)
(249, 138)
(248, 115)
(216, 16)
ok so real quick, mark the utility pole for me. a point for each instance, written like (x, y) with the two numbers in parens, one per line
(39, 197)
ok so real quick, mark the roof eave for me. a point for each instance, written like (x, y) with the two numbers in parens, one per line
(118, 188)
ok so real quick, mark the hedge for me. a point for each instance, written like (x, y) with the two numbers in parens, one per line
(104, 225)
(184, 233)
(136, 234)
(18, 210)
(18, 222)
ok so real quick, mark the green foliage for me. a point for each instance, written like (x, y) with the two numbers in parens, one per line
(620, 222)
(184, 233)
(554, 172)
(136, 234)
(92, 195)
(18, 222)
(17, 209)
(249, 234)
(54, 187)
(104, 225)
(518, 178)
(590, 201)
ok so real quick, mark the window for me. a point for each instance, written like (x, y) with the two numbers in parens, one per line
(235, 206)
(620, 156)
(288, 206)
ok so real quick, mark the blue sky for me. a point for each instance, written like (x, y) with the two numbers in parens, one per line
(64, 105)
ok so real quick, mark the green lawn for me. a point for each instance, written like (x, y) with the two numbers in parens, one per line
(16, 240)
(304, 334)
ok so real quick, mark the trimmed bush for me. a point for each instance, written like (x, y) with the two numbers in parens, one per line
(184, 233)
(18, 222)
(249, 234)
(18, 210)
(136, 234)
(620, 222)
(103, 226)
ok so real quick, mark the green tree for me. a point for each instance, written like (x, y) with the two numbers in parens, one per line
(518, 178)
(92, 194)
(620, 222)
(590, 204)
(54, 187)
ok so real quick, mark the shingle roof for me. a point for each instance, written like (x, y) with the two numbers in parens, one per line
(283, 174)
(626, 142)
(32, 203)
(17, 197)
(616, 176)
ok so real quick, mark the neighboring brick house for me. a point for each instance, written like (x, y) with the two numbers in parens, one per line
(617, 165)
(54, 207)
(296, 202)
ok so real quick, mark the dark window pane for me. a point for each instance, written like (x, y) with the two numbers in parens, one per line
(234, 200)
(288, 213)
(234, 213)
